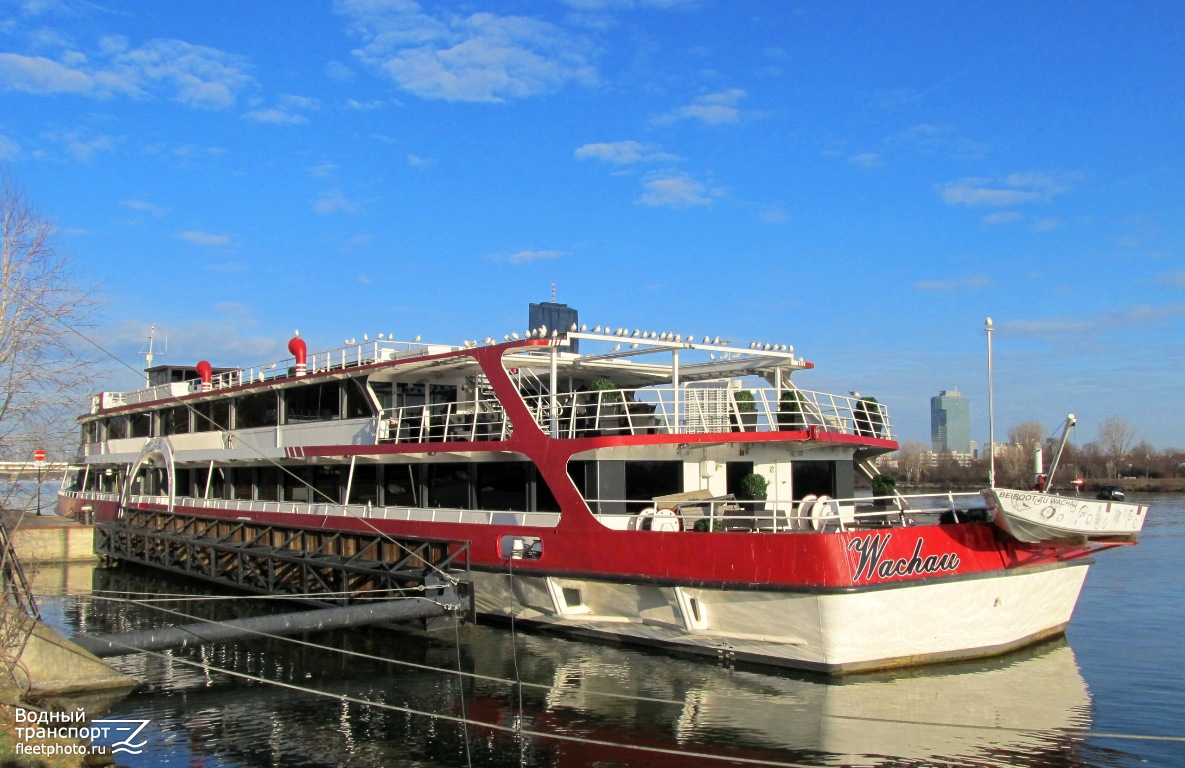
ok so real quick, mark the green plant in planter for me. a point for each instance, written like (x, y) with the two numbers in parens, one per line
(604, 385)
(745, 401)
(884, 485)
(754, 486)
(790, 410)
(869, 420)
(703, 525)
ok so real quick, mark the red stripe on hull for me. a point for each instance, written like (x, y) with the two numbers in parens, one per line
(802, 560)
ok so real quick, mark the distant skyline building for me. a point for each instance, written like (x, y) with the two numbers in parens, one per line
(950, 422)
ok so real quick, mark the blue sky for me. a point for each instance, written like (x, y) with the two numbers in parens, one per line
(866, 181)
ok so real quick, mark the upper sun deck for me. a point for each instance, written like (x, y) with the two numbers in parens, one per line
(620, 382)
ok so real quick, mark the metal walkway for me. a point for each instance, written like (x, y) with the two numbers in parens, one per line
(316, 566)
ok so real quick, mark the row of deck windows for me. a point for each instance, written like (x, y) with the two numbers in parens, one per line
(324, 401)
(511, 486)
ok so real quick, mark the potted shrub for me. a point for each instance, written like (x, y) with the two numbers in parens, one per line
(704, 525)
(606, 405)
(868, 417)
(883, 485)
(753, 487)
(744, 419)
(790, 410)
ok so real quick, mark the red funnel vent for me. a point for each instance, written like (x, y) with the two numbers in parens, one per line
(298, 349)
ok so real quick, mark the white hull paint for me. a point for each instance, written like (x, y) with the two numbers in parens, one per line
(834, 632)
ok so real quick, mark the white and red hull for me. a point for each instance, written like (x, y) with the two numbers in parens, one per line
(829, 602)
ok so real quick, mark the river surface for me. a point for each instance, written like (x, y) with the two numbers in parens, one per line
(1111, 694)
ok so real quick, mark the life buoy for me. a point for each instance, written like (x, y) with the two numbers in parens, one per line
(800, 521)
(643, 520)
(824, 510)
(666, 520)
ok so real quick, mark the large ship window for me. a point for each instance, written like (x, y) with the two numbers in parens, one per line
(364, 486)
(258, 410)
(401, 485)
(327, 484)
(813, 477)
(174, 421)
(240, 485)
(269, 484)
(356, 404)
(644, 480)
(140, 425)
(211, 416)
(312, 402)
(117, 427)
(447, 485)
(295, 487)
(502, 486)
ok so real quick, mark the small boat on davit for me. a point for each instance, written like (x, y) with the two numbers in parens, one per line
(682, 492)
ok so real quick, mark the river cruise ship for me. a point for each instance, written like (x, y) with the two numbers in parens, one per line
(680, 491)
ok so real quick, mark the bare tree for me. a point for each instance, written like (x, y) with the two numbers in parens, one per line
(1115, 438)
(1028, 435)
(42, 375)
(912, 459)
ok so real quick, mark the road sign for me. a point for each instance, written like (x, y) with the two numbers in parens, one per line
(38, 455)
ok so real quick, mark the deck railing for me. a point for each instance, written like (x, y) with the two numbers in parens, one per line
(697, 410)
(811, 513)
(471, 421)
(707, 515)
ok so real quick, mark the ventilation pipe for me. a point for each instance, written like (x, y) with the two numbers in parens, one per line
(298, 349)
(206, 371)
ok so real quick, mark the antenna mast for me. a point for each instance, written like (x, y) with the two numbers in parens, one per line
(149, 354)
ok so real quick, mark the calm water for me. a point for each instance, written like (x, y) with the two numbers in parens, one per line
(1119, 674)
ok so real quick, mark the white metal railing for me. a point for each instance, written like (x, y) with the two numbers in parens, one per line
(470, 421)
(716, 514)
(367, 511)
(334, 359)
(812, 513)
(655, 410)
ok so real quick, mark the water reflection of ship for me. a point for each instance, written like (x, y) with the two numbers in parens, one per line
(1028, 708)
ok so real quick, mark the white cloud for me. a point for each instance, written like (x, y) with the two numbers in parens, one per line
(322, 170)
(1171, 279)
(193, 75)
(335, 70)
(867, 160)
(415, 161)
(957, 284)
(526, 256)
(481, 57)
(712, 109)
(680, 191)
(335, 201)
(8, 148)
(82, 149)
(1013, 189)
(209, 239)
(144, 207)
(622, 153)
(275, 116)
(1003, 217)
